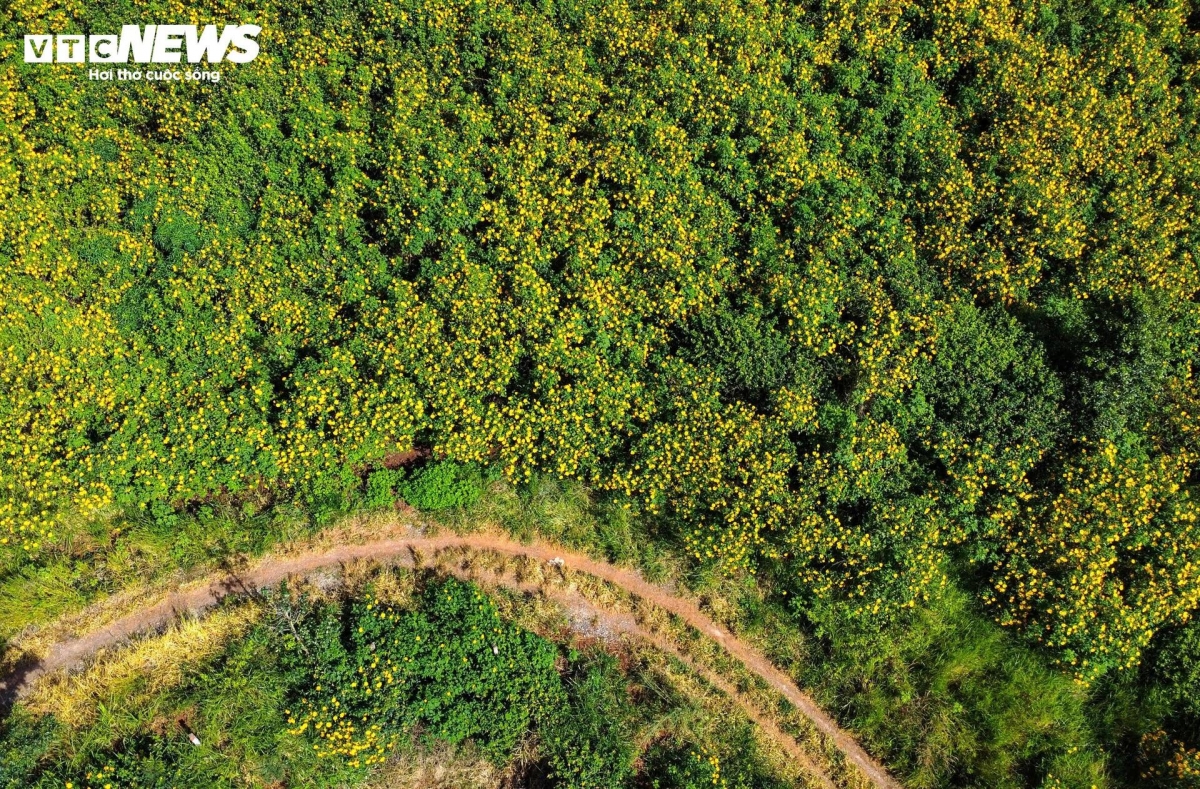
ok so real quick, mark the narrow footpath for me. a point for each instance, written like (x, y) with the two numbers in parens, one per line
(72, 653)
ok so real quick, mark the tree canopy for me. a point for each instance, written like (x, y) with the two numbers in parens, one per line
(881, 290)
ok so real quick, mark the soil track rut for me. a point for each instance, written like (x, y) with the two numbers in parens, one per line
(71, 653)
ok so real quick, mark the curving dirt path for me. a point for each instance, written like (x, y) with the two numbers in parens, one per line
(71, 653)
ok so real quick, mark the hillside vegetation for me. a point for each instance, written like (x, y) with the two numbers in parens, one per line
(898, 301)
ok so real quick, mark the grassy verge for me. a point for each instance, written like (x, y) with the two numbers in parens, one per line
(388, 675)
(128, 553)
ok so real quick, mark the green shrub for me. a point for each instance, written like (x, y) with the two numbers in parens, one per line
(23, 742)
(726, 757)
(451, 668)
(381, 487)
(1177, 667)
(443, 485)
(586, 741)
(694, 768)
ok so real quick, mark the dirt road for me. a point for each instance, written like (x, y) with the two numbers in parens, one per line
(72, 653)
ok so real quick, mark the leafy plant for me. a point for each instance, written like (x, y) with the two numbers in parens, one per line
(451, 668)
(586, 740)
(382, 485)
(443, 485)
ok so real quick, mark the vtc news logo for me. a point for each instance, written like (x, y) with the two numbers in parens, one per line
(149, 44)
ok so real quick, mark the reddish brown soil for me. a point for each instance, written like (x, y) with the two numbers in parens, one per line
(72, 653)
(398, 459)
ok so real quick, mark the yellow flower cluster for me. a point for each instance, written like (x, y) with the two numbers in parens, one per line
(1096, 569)
(1168, 762)
(360, 743)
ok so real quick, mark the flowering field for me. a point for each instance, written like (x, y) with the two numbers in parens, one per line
(891, 298)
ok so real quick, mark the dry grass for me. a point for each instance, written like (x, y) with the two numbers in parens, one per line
(142, 670)
(388, 583)
(439, 767)
(37, 641)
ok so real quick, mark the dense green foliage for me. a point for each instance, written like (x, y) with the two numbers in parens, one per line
(454, 670)
(587, 740)
(443, 485)
(450, 668)
(886, 293)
